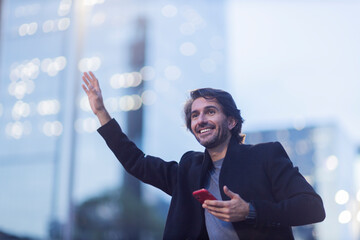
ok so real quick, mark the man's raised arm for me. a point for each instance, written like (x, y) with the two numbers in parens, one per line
(92, 89)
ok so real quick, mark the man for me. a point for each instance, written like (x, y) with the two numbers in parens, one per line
(260, 194)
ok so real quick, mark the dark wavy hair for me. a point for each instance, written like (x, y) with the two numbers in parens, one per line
(226, 102)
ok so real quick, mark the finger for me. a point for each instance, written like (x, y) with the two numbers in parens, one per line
(229, 193)
(90, 87)
(88, 78)
(92, 80)
(85, 89)
(85, 81)
(95, 81)
(216, 203)
(221, 216)
(223, 210)
(216, 211)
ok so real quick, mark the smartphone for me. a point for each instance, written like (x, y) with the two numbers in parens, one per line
(202, 195)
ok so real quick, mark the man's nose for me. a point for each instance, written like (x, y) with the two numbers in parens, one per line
(202, 119)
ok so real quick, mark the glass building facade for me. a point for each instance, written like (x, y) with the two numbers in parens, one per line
(51, 158)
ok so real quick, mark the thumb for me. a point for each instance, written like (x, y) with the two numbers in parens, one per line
(229, 193)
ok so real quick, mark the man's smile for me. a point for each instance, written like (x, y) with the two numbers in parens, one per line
(206, 129)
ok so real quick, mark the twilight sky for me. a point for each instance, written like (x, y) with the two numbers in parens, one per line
(295, 62)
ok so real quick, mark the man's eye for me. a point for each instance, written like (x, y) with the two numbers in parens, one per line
(211, 112)
(194, 115)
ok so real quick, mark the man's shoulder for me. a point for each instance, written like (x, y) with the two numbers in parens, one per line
(264, 147)
(191, 158)
(268, 149)
(192, 155)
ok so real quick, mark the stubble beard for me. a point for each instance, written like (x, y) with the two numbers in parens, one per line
(216, 139)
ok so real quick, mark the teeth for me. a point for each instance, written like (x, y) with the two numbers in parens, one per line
(204, 130)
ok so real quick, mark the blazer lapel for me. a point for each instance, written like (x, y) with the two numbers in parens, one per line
(206, 165)
(231, 167)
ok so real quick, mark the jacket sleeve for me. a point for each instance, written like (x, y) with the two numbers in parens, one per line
(296, 203)
(148, 169)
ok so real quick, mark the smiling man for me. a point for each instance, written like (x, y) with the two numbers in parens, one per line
(260, 195)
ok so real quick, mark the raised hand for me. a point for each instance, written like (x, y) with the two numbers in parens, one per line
(92, 89)
(233, 210)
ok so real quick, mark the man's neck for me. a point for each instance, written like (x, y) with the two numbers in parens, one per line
(219, 151)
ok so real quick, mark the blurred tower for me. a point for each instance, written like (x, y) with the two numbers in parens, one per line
(135, 118)
(134, 122)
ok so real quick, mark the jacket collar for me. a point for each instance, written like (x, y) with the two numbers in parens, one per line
(207, 162)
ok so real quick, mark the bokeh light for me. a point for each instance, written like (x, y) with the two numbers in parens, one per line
(112, 104)
(341, 197)
(148, 97)
(18, 129)
(187, 28)
(20, 109)
(63, 24)
(169, 11)
(64, 7)
(193, 17)
(92, 2)
(48, 107)
(299, 123)
(84, 104)
(14, 130)
(188, 49)
(52, 66)
(87, 125)
(89, 64)
(48, 26)
(26, 10)
(125, 80)
(130, 103)
(332, 163)
(28, 29)
(147, 73)
(98, 19)
(52, 128)
(344, 217)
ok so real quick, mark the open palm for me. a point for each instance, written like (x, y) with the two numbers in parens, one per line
(92, 89)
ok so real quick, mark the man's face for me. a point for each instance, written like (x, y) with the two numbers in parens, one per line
(209, 124)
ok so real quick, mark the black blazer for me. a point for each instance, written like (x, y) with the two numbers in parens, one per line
(261, 174)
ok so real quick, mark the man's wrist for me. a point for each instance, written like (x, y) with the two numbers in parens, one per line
(251, 217)
(103, 116)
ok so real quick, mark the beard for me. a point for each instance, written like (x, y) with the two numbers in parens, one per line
(217, 138)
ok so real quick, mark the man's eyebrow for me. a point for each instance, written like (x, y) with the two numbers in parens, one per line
(206, 108)
(211, 106)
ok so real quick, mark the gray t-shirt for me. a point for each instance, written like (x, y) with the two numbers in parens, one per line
(216, 228)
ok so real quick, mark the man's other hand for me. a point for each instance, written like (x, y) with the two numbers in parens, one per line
(233, 210)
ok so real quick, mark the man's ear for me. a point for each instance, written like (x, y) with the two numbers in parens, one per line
(231, 123)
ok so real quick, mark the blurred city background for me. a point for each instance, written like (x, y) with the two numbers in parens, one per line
(293, 68)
